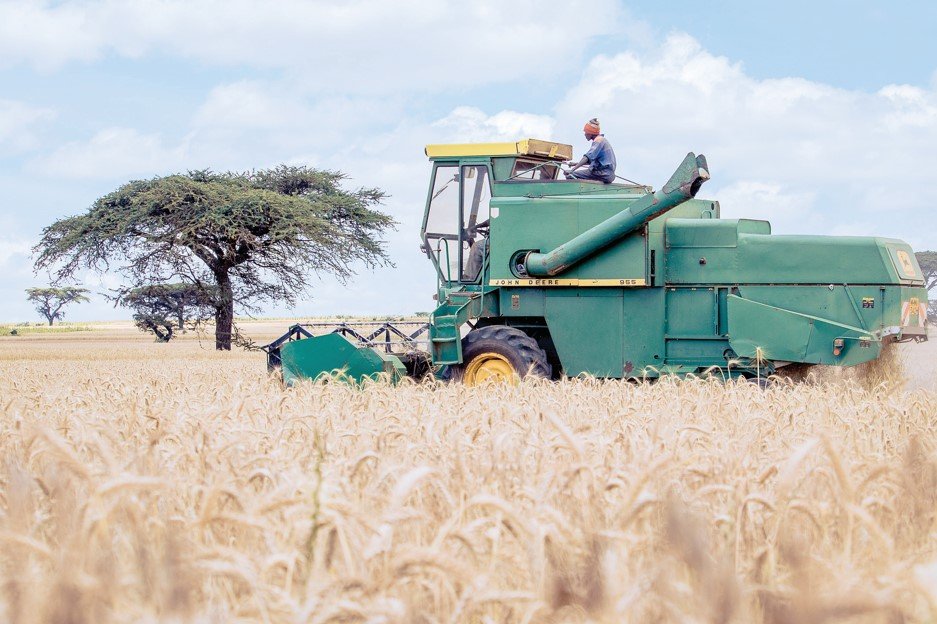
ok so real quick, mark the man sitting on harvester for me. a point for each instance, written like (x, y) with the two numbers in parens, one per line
(600, 158)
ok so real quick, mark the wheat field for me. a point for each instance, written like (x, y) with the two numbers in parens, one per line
(168, 483)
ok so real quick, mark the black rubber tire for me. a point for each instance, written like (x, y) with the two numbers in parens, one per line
(522, 351)
(417, 363)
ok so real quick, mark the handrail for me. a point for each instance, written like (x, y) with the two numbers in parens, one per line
(448, 261)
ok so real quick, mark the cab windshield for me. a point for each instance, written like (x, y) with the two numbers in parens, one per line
(441, 230)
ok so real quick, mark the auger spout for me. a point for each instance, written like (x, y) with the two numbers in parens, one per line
(682, 186)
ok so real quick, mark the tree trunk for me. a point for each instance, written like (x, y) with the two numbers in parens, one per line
(160, 336)
(50, 319)
(224, 312)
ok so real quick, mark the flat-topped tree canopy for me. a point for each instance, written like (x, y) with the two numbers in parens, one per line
(548, 150)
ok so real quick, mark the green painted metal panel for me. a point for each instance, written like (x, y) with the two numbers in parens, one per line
(549, 222)
(445, 339)
(696, 354)
(526, 302)
(691, 312)
(759, 330)
(626, 260)
(712, 232)
(520, 222)
(568, 189)
(872, 308)
(643, 332)
(586, 327)
(771, 259)
(845, 304)
(905, 263)
(693, 340)
(333, 354)
(457, 307)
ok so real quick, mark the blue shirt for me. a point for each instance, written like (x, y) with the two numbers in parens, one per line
(601, 156)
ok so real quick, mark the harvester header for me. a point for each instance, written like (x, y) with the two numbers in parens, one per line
(539, 275)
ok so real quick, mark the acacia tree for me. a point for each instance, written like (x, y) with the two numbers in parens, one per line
(239, 238)
(163, 308)
(928, 262)
(50, 302)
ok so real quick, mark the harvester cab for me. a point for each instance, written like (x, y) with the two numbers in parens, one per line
(538, 275)
(458, 209)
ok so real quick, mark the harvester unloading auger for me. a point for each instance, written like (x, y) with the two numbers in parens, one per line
(549, 277)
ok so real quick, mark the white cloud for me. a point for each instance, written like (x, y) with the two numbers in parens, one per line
(787, 211)
(813, 158)
(362, 46)
(239, 126)
(14, 252)
(249, 104)
(47, 36)
(912, 106)
(17, 125)
(114, 153)
(468, 124)
(260, 123)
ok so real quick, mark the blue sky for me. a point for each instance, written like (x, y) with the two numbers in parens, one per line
(821, 117)
(859, 44)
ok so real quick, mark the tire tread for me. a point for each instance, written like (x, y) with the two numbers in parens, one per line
(519, 342)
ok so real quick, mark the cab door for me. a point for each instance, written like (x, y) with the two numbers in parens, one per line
(476, 211)
(442, 221)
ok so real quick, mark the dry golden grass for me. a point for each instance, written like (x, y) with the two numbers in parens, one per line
(145, 482)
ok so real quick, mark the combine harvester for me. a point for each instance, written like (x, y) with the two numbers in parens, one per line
(543, 276)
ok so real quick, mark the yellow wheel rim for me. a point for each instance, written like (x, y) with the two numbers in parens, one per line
(489, 367)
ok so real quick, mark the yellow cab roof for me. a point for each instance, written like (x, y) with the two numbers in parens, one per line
(525, 147)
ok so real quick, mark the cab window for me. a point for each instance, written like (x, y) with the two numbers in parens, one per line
(534, 170)
(443, 222)
(476, 202)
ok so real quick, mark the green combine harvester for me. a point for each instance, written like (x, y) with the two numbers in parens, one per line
(548, 277)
